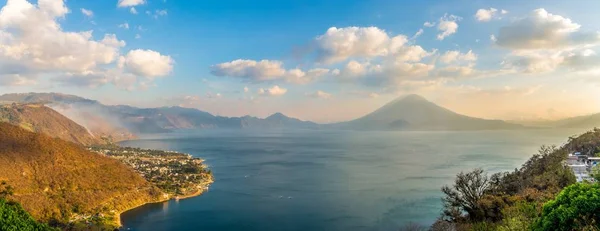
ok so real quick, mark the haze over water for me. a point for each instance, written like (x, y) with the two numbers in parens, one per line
(328, 180)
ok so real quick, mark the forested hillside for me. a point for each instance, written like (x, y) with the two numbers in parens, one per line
(62, 183)
(540, 195)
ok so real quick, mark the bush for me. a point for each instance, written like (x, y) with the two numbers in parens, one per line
(577, 207)
(519, 217)
(14, 218)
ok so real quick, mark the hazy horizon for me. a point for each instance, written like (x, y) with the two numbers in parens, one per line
(524, 120)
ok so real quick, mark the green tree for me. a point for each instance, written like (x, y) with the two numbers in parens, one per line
(577, 207)
(14, 218)
(463, 198)
(596, 173)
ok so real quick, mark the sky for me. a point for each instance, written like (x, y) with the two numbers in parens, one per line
(324, 61)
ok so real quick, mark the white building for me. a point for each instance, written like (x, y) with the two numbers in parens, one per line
(582, 166)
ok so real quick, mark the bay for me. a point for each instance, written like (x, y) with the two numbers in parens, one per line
(328, 180)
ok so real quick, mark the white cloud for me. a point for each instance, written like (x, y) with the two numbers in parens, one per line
(249, 69)
(351, 70)
(90, 79)
(266, 70)
(339, 44)
(161, 12)
(485, 15)
(298, 76)
(133, 10)
(31, 37)
(138, 36)
(53, 8)
(113, 41)
(129, 3)
(246, 89)
(411, 54)
(400, 71)
(376, 57)
(124, 26)
(419, 33)
(273, 91)
(447, 26)
(581, 61)
(388, 74)
(429, 24)
(543, 30)
(157, 13)
(457, 72)
(535, 62)
(33, 45)
(319, 94)
(543, 42)
(16, 80)
(147, 63)
(87, 13)
(456, 56)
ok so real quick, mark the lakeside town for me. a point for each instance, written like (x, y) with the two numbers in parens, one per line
(177, 174)
(583, 166)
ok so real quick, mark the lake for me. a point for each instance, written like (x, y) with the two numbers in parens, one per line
(328, 180)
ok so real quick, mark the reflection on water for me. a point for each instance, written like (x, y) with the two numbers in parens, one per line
(165, 207)
(328, 180)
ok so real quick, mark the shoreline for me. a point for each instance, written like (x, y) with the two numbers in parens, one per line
(117, 216)
(200, 191)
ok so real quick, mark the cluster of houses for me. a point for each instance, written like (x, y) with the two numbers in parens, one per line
(582, 166)
(175, 173)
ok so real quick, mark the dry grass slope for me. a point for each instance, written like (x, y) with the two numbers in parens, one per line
(55, 179)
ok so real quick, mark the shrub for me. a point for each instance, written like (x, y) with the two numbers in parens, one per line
(577, 207)
(14, 218)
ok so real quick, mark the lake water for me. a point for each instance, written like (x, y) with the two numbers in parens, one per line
(328, 180)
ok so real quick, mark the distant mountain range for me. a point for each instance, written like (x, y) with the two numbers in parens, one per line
(90, 113)
(586, 121)
(414, 112)
(411, 112)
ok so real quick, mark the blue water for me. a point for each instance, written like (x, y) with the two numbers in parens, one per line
(328, 180)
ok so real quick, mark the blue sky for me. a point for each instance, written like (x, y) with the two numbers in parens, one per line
(183, 53)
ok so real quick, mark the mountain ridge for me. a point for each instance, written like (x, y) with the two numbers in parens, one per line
(414, 112)
(155, 120)
(55, 180)
(39, 118)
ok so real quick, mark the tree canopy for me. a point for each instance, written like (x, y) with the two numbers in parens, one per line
(14, 218)
(527, 198)
(577, 207)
